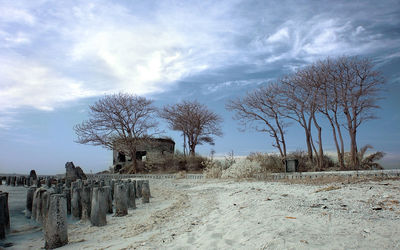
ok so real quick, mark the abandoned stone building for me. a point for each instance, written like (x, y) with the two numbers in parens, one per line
(154, 152)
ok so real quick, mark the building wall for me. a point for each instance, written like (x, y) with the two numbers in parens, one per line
(157, 151)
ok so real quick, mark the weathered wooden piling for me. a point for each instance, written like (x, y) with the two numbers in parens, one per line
(99, 207)
(4, 215)
(29, 200)
(86, 202)
(121, 200)
(56, 228)
(76, 205)
(145, 192)
(131, 194)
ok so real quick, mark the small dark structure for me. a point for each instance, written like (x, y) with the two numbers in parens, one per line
(291, 165)
(152, 152)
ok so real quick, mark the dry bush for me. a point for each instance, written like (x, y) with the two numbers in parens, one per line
(212, 168)
(367, 162)
(305, 165)
(243, 168)
(270, 163)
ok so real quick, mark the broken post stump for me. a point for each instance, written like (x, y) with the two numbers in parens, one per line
(109, 199)
(29, 200)
(139, 188)
(121, 200)
(55, 229)
(4, 215)
(76, 205)
(86, 202)
(145, 192)
(99, 207)
(67, 193)
(131, 194)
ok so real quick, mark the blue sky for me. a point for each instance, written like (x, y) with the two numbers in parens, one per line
(57, 57)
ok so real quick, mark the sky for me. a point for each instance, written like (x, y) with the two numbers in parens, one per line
(58, 57)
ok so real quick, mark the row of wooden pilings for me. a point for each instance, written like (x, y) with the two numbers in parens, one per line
(50, 204)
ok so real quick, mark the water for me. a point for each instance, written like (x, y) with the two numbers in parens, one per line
(20, 226)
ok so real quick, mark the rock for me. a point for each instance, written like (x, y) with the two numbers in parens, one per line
(56, 228)
(73, 173)
(29, 200)
(121, 200)
(99, 207)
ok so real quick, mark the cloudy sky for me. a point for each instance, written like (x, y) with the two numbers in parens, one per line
(57, 57)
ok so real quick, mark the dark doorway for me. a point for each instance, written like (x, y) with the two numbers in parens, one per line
(140, 154)
(121, 157)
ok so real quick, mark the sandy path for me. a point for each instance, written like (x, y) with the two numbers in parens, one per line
(210, 214)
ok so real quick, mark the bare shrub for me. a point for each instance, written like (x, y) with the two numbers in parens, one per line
(366, 162)
(212, 168)
(270, 163)
(243, 168)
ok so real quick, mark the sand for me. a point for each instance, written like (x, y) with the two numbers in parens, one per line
(227, 214)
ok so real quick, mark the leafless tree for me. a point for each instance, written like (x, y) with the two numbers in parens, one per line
(261, 109)
(358, 86)
(310, 84)
(196, 122)
(118, 122)
(299, 105)
(328, 102)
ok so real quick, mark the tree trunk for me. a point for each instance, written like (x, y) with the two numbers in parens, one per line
(320, 149)
(353, 149)
(339, 153)
(341, 158)
(309, 146)
(134, 161)
(184, 144)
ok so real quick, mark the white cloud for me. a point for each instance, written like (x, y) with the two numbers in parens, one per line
(280, 36)
(29, 84)
(16, 15)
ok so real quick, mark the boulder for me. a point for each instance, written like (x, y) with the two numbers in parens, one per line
(73, 173)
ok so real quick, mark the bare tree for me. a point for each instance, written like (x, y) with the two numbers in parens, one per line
(297, 103)
(358, 86)
(262, 109)
(328, 103)
(310, 82)
(118, 122)
(196, 122)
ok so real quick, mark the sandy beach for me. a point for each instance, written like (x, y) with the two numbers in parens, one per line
(228, 214)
